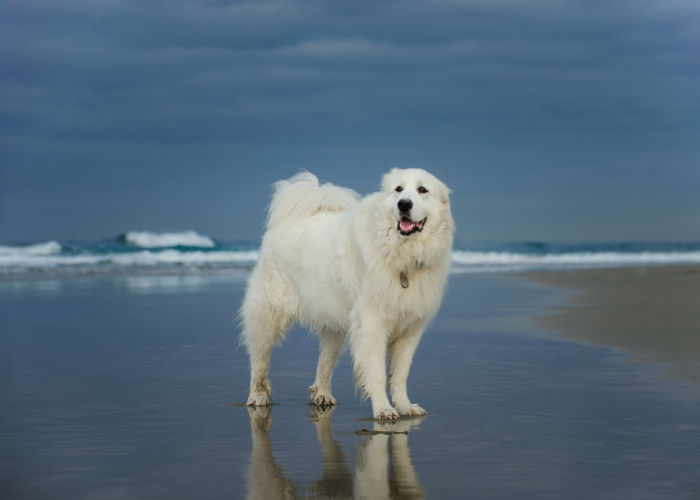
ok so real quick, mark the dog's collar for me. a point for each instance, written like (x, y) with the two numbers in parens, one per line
(404, 280)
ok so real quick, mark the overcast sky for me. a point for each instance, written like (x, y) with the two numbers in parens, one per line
(550, 120)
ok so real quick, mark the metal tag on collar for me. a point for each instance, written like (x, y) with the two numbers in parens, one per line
(404, 280)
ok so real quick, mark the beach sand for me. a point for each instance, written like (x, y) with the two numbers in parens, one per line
(132, 387)
(652, 313)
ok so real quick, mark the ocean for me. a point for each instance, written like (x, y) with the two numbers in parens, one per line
(146, 252)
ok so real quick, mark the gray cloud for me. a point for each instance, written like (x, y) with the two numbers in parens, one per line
(555, 103)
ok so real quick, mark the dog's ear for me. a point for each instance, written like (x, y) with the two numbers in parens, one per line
(445, 195)
(388, 180)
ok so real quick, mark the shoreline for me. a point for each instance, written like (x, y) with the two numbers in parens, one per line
(111, 271)
(650, 313)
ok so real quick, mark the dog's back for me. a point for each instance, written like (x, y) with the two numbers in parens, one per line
(301, 196)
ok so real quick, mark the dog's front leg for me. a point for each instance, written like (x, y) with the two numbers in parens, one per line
(401, 353)
(368, 338)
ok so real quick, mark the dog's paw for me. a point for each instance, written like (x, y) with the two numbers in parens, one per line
(321, 398)
(258, 399)
(388, 413)
(411, 410)
(260, 393)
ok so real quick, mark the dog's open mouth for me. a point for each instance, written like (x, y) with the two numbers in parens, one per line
(407, 227)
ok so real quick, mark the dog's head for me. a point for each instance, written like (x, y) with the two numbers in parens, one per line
(419, 202)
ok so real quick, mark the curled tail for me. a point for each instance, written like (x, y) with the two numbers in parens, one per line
(301, 196)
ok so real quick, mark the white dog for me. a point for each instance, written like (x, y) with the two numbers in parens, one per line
(370, 270)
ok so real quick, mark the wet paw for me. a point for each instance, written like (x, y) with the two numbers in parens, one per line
(388, 413)
(321, 398)
(258, 399)
(412, 410)
(260, 394)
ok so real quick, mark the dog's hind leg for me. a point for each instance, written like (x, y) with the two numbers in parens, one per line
(332, 345)
(266, 318)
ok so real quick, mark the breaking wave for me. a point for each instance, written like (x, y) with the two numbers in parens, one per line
(46, 248)
(147, 239)
(139, 252)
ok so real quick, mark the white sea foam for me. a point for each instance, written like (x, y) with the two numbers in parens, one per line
(149, 258)
(144, 258)
(466, 260)
(147, 239)
(46, 248)
(46, 256)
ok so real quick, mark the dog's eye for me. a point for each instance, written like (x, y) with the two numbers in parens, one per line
(398, 189)
(422, 190)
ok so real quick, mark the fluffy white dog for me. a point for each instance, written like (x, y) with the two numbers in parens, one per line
(370, 270)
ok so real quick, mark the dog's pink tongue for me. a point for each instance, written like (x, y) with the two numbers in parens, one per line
(406, 225)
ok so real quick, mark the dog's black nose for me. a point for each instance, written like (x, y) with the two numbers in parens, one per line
(405, 205)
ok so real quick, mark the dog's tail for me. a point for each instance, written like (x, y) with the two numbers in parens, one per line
(301, 196)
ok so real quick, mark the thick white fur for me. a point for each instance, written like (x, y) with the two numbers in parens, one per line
(332, 261)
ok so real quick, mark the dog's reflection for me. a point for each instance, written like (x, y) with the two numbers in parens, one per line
(383, 463)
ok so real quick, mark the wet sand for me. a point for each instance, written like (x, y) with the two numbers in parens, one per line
(131, 387)
(651, 313)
